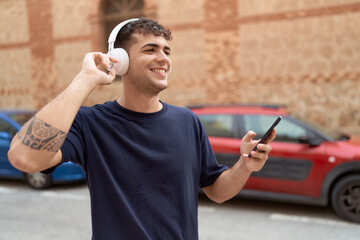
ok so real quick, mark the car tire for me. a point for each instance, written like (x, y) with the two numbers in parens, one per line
(345, 198)
(38, 180)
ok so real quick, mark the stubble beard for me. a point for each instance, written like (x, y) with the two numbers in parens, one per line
(151, 88)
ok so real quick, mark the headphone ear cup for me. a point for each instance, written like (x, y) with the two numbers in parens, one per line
(122, 66)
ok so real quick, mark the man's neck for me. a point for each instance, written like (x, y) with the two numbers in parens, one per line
(141, 104)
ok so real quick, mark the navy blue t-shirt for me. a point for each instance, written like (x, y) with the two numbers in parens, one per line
(143, 170)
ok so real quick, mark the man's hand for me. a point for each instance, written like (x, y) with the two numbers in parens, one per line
(94, 68)
(231, 181)
(259, 157)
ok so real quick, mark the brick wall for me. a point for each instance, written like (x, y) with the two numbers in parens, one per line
(304, 54)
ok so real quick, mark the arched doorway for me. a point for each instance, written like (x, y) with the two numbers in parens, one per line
(116, 11)
(106, 14)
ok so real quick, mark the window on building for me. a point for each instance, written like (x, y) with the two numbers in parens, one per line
(116, 11)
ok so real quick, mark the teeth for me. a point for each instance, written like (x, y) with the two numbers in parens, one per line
(159, 71)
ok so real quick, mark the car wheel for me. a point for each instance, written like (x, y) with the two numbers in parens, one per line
(345, 198)
(38, 180)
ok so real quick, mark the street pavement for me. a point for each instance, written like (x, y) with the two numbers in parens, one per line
(63, 212)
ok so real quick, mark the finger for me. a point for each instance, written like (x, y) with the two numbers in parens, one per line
(108, 61)
(113, 59)
(259, 155)
(257, 158)
(97, 58)
(90, 58)
(249, 136)
(105, 61)
(264, 148)
(112, 73)
(245, 157)
(107, 78)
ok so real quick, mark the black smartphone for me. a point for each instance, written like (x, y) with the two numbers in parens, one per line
(267, 133)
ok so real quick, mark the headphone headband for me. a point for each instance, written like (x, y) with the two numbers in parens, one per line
(116, 30)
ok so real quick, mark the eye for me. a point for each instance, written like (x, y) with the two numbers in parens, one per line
(150, 50)
(167, 52)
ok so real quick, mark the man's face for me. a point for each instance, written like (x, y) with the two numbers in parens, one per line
(150, 64)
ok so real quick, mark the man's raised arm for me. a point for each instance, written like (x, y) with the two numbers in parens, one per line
(36, 146)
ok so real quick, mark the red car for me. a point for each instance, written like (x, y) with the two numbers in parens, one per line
(305, 165)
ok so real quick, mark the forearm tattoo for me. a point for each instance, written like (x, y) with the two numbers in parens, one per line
(41, 136)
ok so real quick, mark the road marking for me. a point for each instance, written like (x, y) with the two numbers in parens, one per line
(310, 220)
(70, 196)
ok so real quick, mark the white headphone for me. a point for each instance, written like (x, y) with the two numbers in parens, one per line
(122, 66)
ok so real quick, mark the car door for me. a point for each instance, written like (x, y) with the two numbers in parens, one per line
(223, 132)
(296, 161)
(7, 131)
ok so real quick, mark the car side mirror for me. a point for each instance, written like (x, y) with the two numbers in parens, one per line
(312, 141)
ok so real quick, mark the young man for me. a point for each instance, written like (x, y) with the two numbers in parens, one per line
(144, 159)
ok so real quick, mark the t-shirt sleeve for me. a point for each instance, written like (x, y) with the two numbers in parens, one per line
(210, 169)
(72, 149)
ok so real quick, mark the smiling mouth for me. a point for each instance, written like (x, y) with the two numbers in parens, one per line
(161, 71)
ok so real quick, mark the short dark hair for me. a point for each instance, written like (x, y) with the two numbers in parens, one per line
(144, 26)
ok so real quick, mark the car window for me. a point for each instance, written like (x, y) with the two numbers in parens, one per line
(219, 125)
(6, 127)
(286, 130)
(289, 131)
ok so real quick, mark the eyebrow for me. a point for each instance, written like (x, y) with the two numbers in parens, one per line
(155, 45)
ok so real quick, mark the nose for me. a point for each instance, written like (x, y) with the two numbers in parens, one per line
(164, 59)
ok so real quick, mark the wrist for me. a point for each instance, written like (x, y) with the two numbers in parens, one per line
(244, 166)
(84, 81)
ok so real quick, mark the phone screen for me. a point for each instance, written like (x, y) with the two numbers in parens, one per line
(267, 133)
